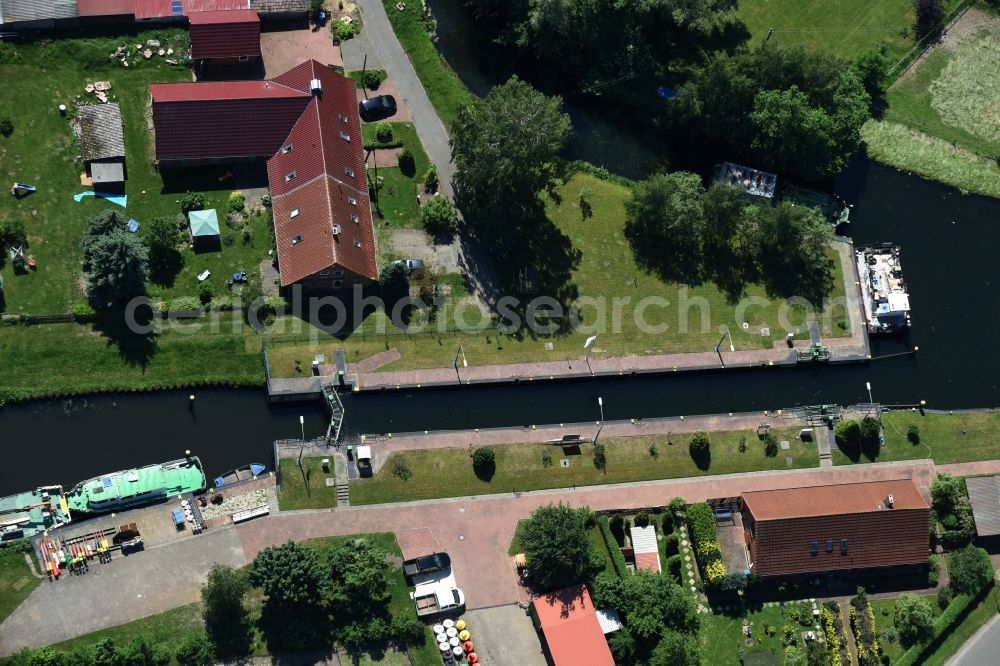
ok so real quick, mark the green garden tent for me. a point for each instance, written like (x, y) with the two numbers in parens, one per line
(204, 223)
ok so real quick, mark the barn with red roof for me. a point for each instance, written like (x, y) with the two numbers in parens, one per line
(853, 527)
(305, 124)
(221, 36)
(571, 629)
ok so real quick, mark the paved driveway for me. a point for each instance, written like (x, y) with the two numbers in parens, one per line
(128, 588)
(505, 636)
(284, 49)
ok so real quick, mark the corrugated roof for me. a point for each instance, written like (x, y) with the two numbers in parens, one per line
(280, 6)
(105, 7)
(984, 496)
(12, 11)
(832, 499)
(230, 34)
(101, 132)
(571, 629)
(834, 528)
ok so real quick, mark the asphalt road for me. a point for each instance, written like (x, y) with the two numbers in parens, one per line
(983, 648)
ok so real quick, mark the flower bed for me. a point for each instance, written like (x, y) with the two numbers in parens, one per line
(835, 640)
(863, 625)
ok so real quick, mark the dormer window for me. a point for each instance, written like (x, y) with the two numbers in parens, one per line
(294, 213)
(289, 177)
(345, 136)
(296, 239)
(286, 149)
(349, 171)
(352, 201)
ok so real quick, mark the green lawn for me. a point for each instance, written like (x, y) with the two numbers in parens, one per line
(398, 193)
(941, 437)
(169, 627)
(935, 124)
(16, 581)
(61, 359)
(448, 472)
(721, 635)
(885, 616)
(446, 91)
(310, 492)
(844, 28)
(694, 316)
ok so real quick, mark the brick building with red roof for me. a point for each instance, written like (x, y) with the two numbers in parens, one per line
(222, 36)
(852, 527)
(305, 124)
(570, 627)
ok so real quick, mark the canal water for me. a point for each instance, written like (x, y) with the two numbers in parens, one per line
(949, 260)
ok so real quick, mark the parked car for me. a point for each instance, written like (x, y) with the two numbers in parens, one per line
(438, 601)
(382, 106)
(411, 264)
(426, 564)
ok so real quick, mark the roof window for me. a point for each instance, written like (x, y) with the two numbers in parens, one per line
(813, 547)
(349, 171)
(345, 136)
(286, 149)
(829, 545)
(296, 239)
(843, 546)
(354, 219)
(357, 243)
(342, 117)
(289, 177)
(352, 201)
(294, 213)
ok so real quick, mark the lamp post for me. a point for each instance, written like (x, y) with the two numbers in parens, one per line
(600, 424)
(586, 345)
(878, 414)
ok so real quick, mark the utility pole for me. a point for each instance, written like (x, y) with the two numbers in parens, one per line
(600, 424)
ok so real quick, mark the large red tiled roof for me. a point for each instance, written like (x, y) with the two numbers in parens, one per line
(800, 530)
(192, 6)
(145, 9)
(225, 34)
(832, 499)
(214, 91)
(572, 632)
(104, 7)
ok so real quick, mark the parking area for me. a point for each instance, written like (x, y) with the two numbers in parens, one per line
(417, 543)
(387, 87)
(284, 49)
(416, 244)
(732, 542)
(504, 635)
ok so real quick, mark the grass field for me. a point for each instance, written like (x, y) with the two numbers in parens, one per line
(16, 581)
(844, 28)
(448, 472)
(607, 273)
(940, 122)
(398, 194)
(59, 359)
(446, 91)
(309, 493)
(941, 437)
(894, 650)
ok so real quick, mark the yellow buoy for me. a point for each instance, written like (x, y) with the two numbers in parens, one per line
(460, 625)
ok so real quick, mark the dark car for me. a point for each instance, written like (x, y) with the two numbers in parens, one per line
(426, 564)
(382, 106)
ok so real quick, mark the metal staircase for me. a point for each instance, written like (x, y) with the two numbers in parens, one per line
(332, 398)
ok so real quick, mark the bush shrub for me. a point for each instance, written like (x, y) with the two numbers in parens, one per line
(600, 456)
(848, 435)
(969, 570)
(400, 469)
(956, 538)
(343, 29)
(431, 178)
(184, 304)
(204, 292)
(383, 131)
(770, 445)
(933, 571)
(484, 462)
(671, 544)
(407, 163)
(913, 433)
(237, 202)
(617, 526)
(613, 544)
(84, 311)
(373, 78)
(439, 216)
(944, 597)
(196, 650)
(6, 126)
(641, 519)
(701, 522)
(674, 563)
(193, 201)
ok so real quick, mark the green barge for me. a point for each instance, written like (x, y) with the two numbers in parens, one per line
(26, 514)
(137, 487)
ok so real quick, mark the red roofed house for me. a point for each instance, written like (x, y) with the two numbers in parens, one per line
(570, 627)
(857, 527)
(223, 36)
(305, 123)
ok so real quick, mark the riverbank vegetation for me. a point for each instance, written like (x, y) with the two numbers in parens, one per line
(944, 437)
(433, 473)
(236, 620)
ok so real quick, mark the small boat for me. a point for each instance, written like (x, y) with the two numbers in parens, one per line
(250, 471)
(136, 487)
(885, 301)
(24, 515)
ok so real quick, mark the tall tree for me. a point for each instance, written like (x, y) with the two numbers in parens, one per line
(557, 546)
(503, 147)
(100, 225)
(360, 583)
(227, 621)
(969, 570)
(118, 269)
(162, 235)
(928, 16)
(295, 582)
(665, 225)
(914, 619)
(676, 649)
(793, 242)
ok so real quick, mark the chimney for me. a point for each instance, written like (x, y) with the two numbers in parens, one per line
(316, 86)
(889, 501)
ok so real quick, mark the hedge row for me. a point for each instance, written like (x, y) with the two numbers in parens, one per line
(943, 626)
(617, 559)
(705, 539)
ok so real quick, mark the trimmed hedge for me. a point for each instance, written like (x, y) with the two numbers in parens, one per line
(943, 626)
(704, 537)
(617, 559)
